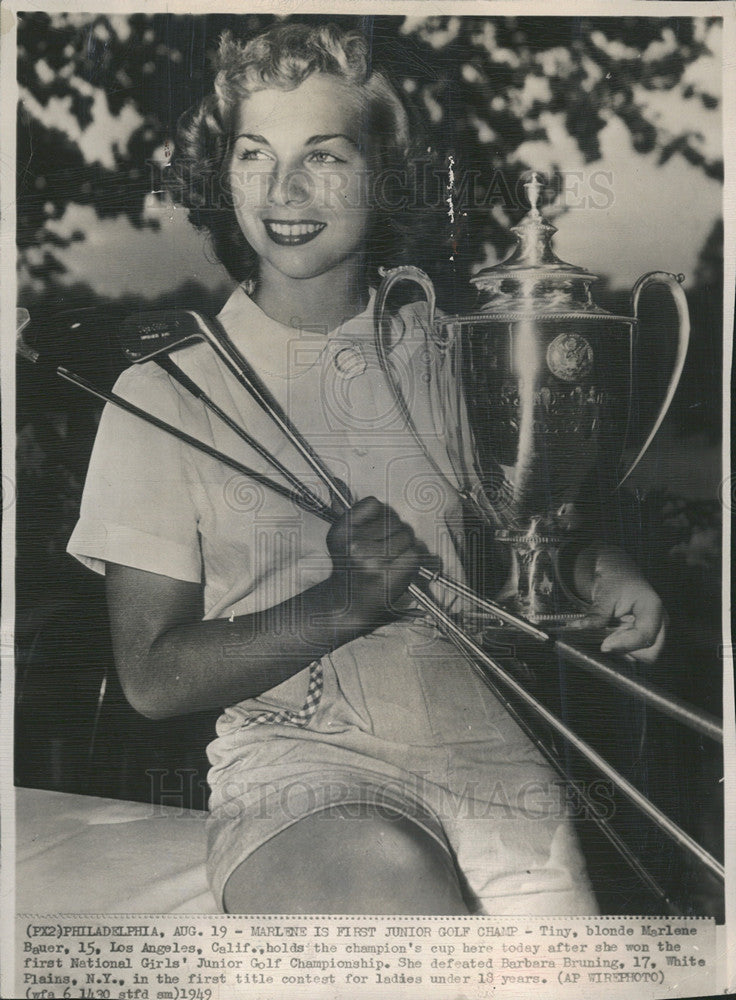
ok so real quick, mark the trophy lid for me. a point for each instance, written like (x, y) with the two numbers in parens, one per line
(532, 276)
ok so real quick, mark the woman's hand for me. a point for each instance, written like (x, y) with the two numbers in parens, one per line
(611, 580)
(170, 661)
(375, 557)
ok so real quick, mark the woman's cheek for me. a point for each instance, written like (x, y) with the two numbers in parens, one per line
(329, 190)
(248, 189)
(357, 193)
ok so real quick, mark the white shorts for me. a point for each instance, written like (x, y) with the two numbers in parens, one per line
(403, 727)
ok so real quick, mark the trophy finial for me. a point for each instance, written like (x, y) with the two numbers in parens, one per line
(534, 260)
(534, 187)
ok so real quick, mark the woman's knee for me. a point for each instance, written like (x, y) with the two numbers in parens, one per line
(335, 862)
(410, 871)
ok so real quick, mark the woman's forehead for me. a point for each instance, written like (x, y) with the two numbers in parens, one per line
(322, 104)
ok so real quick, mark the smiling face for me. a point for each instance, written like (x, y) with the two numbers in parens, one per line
(298, 176)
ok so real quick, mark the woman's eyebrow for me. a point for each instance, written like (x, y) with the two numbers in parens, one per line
(314, 140)
(253, 138)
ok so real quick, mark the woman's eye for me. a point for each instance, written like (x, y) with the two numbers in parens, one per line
(322, 156)
(253, 154)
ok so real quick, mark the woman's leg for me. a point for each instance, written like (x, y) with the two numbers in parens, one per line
(335, 862)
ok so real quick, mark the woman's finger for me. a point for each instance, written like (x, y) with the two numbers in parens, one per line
(643, 637)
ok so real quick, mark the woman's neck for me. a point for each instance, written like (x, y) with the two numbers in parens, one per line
(320, 303)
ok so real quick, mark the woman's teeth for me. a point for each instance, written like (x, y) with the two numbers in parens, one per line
(295, 228)
(293, 232)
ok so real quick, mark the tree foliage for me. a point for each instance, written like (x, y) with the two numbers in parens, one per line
(480, 88)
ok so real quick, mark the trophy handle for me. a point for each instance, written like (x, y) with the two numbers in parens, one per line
(392, 277)
(673, 282)
(442, 338)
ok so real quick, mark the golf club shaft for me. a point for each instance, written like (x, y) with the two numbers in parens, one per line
(123, 404)
(216, 336)
(687, 714)
(168, 365)
(690, 716)
(477, 656)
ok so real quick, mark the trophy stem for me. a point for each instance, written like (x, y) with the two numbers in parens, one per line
(537, 590)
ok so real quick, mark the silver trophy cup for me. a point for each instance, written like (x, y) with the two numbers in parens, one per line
(536, 384)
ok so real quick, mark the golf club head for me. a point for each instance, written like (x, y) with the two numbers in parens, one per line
(78, 339)
(145, 335)
(22, 319)
(22, 348)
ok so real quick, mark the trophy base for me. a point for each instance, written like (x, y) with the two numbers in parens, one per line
(550, 621)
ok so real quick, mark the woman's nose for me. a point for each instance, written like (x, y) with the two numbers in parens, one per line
(289, 186)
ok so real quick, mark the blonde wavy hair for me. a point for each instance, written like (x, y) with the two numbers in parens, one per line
(283, 57)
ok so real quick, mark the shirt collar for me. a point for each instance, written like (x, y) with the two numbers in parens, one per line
(287, 351)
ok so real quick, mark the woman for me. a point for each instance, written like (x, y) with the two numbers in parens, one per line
(360, 767)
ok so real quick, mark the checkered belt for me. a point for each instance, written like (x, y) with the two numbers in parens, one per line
(305, 713)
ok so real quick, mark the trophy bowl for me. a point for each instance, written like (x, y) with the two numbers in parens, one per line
(548, 401)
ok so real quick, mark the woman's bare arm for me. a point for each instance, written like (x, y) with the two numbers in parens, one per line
(171, 662)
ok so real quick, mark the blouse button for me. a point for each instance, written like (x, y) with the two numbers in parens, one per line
(350, 362)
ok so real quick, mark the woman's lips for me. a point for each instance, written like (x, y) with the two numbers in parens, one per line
(292, 234)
